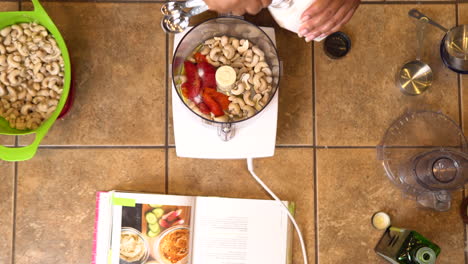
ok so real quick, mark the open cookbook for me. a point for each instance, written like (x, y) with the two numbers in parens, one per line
(137, 228)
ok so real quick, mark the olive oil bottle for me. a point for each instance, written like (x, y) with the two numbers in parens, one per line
(402, 246)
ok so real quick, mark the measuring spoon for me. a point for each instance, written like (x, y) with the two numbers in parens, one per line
(178, 21)
(175, 7)
(415, 77)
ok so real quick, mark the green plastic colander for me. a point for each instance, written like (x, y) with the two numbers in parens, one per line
(39, 16)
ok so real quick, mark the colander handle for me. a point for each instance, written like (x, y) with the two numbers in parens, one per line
(38, 7)
(23, 153)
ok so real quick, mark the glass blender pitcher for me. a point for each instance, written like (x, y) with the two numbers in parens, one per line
(425, 154)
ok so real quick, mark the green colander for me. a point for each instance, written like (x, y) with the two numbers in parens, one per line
(39, 16)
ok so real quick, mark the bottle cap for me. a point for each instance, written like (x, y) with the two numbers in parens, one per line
(381, 220)
(337, 45)
(425, 255)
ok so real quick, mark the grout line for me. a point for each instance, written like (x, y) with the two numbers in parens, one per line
(166, 143)
(104, 1)
(460, 116)
(407, 2)
(99, 147)
(13, 231)
(315, 173)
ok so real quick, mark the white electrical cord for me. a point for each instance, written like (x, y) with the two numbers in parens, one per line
(283, 206)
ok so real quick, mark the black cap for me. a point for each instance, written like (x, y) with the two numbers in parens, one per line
(337, 45)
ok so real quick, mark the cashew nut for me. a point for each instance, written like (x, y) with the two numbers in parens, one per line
(12, 94)
(229, 51)
(223, 118)
(247, 99)
(239, 89)
(224, 40)
(53, 68)
(258, 51)
(248, 55)
(214, 54)
(223, 60)
(5, 32)
(265, 98)
(259, 66)
(267, 71)
(256, 79)
(244, 47)
(269, 79)
(13, 77)
(234, 109)
(26, 108)
(248, 110)
(12, 61)
(234, 42)
(237, 100)
(254, 62)
(205, 50)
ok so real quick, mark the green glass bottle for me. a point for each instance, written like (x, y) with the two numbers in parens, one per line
(402, 246)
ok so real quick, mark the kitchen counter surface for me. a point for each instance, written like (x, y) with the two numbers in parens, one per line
(332, 114)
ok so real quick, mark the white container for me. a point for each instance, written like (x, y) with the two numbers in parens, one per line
(287, 13)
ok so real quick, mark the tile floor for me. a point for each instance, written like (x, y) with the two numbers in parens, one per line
(332, 115)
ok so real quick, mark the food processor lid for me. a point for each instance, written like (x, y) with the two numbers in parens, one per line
(411, 137)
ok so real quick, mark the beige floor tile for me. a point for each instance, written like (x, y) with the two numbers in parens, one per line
(6, 209)
(56, 197)
(295, 94)
(4, 7)
(356, 97)
(119, 72)
(289, 174)
(351, 187)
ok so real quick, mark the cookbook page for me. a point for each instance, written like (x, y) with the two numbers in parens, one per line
(239, 231)
(151, 228)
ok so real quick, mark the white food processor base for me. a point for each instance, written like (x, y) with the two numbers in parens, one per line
(254, 138)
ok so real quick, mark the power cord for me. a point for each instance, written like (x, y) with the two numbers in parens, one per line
(285, 209)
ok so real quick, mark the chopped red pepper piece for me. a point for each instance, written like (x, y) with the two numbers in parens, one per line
(203, 108)
(220, 98)
(209, 74)
(192, 87)
(215, 108)
(199, 57)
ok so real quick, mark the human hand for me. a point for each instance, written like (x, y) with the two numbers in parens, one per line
(324, 17)
(237, 7)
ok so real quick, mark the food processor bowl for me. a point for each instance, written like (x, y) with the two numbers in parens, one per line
(424, 154)
(232, 27)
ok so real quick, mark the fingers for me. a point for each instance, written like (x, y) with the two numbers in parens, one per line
(325, 25)
(254, 8)
(315, 9)
(265, 3)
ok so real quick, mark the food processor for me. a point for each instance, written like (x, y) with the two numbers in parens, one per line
(199, 137)
(424, 154)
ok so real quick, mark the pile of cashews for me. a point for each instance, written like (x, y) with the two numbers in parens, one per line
(253, 86)
(31, 75)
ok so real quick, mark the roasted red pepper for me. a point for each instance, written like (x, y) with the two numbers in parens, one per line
(220, 98)
(192, 87)
(208, 74)
(203, 108)
(215, 108)
(199, 57)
